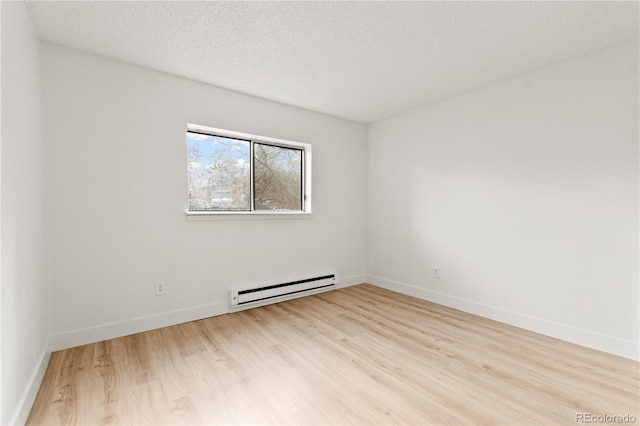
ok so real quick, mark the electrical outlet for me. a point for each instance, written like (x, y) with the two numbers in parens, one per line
(436, 272)
(161, 289)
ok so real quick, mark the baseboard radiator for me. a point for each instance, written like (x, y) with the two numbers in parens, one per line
(265, 294)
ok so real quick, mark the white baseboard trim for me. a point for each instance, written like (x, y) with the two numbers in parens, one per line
(112, 330)
(31, 391)
(601, 342)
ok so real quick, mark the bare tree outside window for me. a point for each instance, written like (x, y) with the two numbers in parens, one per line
(219, 173)
(277, 178)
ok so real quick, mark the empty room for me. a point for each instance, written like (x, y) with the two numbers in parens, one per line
(319, 212)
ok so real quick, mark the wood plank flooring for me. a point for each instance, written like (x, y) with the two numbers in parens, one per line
(359, 355)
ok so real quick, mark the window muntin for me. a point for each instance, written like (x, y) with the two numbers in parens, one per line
(231, 172)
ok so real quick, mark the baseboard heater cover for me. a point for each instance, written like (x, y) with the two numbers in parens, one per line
(281, 291)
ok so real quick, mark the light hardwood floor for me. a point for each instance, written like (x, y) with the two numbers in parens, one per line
(360, 355)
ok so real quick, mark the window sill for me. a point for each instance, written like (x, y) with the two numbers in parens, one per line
(215, 216)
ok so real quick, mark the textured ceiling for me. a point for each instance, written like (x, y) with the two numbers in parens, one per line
(358, 60)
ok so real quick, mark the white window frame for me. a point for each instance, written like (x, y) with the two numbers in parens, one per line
(306, 175)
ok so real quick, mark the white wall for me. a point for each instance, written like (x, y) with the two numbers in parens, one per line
(116, 195)
(525, 194)
(25, 326)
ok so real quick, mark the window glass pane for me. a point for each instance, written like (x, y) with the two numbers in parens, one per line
(277, 178)
(219, 173)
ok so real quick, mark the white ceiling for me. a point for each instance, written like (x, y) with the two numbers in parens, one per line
(358, 60)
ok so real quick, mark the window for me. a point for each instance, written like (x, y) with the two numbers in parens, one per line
(232, 172)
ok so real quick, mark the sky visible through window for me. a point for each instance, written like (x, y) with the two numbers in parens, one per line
(219, 172)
